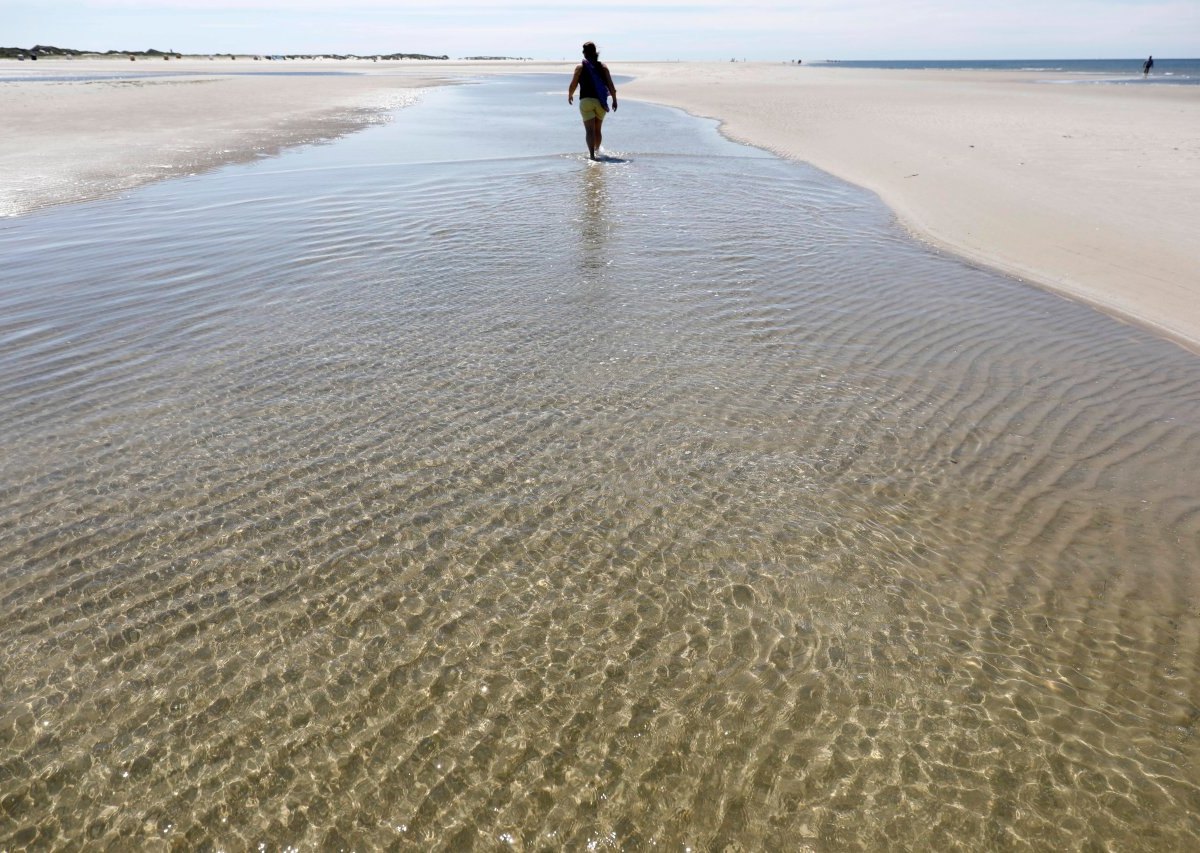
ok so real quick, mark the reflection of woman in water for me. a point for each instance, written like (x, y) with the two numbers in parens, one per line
(594, 224)
(595, 85)
(1146, 66)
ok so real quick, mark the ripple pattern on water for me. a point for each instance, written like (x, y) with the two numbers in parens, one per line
(522, 502)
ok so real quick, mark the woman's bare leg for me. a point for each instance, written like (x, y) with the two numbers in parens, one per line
(590, 132)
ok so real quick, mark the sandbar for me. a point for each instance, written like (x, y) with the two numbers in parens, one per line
(1088, 189)
(83, 129)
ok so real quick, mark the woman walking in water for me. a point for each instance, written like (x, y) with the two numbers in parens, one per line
(595, 85)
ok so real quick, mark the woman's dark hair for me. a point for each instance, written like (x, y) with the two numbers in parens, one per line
(589, 50)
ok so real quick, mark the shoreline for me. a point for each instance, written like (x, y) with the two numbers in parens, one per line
(122, 125)
(1075, 188)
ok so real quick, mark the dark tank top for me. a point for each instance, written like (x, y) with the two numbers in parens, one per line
(587, 86)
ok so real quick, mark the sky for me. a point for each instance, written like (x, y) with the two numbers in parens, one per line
(660, 29)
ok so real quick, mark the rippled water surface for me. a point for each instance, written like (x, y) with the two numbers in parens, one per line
(439, 489)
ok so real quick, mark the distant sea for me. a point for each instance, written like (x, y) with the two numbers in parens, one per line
(1169, 71)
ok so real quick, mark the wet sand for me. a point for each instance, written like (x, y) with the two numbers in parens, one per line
(70, 140)
(347, 505)
(1077, 187)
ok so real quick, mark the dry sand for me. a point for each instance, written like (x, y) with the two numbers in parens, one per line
(70, 140)
(1089, 190)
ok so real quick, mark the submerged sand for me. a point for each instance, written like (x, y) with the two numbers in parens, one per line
(1089, 190)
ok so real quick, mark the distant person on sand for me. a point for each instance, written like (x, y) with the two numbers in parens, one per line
(1146, 66)
(595, 85)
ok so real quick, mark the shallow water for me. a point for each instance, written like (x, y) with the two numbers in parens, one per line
(439, 489)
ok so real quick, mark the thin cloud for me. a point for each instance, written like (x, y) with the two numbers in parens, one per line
(666, 29)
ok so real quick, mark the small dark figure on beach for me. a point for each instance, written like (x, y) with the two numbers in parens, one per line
(595, 85)
(1146, 66)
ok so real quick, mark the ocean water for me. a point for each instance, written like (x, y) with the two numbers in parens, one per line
(1183, 72)
(439, 489)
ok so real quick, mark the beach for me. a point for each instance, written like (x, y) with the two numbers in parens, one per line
(94, 127)
(89, 137)
(1076, 187)
(428, 488)
(1086, 189)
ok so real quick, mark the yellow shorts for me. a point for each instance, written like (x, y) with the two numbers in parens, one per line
(591, 108)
